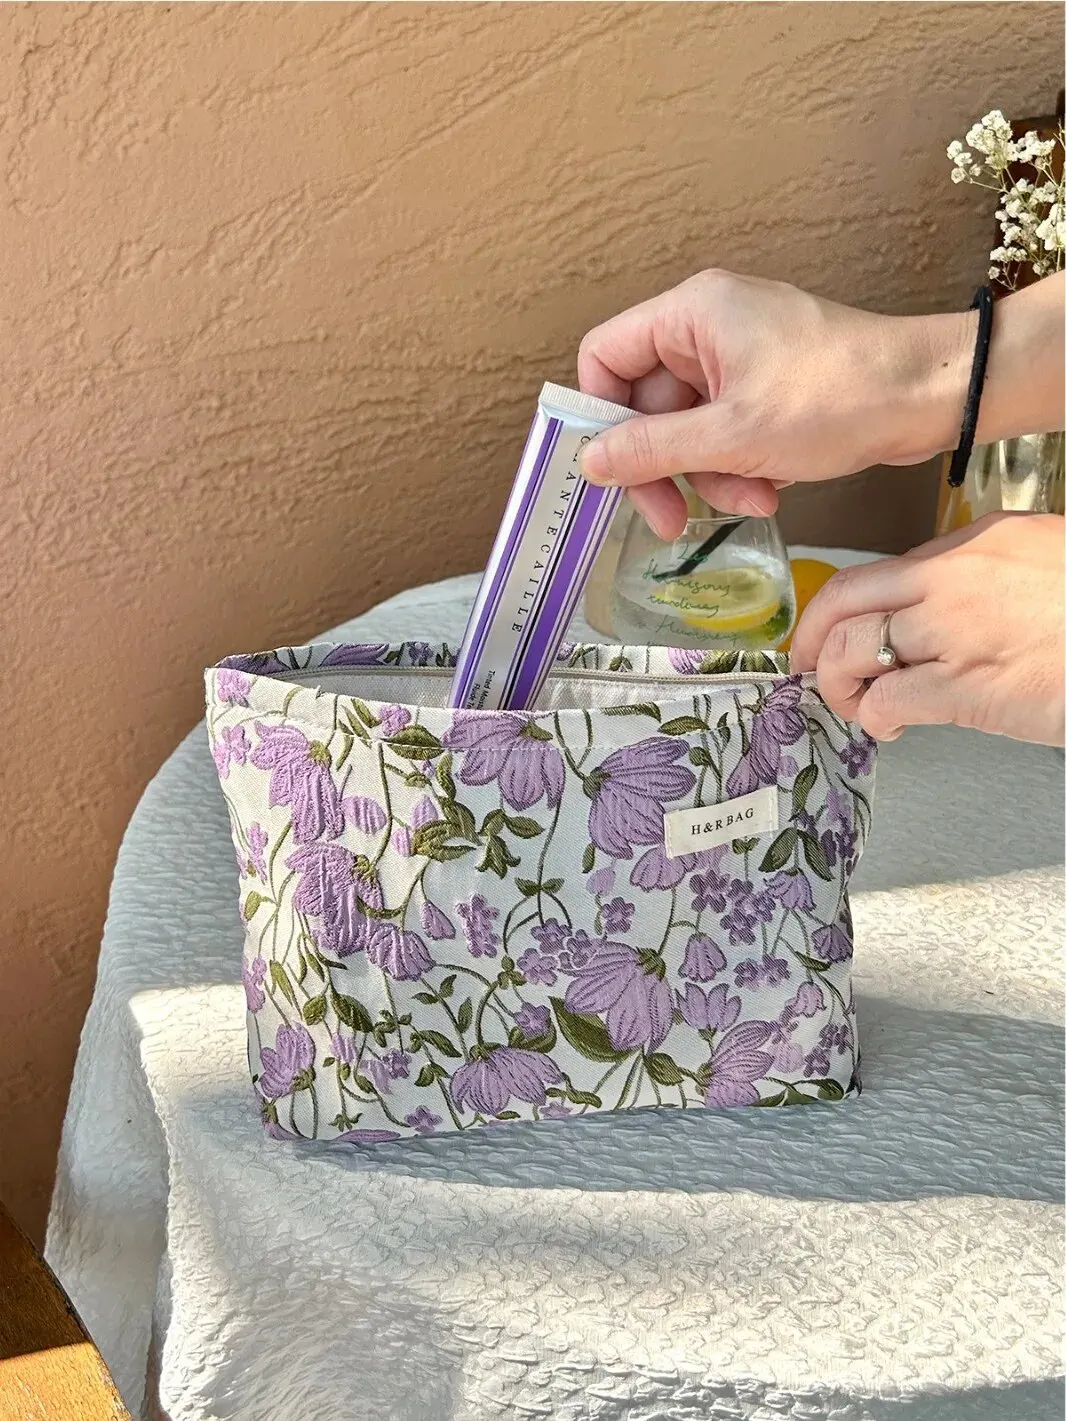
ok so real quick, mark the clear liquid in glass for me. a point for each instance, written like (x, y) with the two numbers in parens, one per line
(739, 596)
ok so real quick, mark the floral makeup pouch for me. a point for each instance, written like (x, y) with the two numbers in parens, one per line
(633, 895)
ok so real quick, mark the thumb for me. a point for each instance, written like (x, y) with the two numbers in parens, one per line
(659, 446)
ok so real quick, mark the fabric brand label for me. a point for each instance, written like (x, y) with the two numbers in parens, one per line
(690, 831)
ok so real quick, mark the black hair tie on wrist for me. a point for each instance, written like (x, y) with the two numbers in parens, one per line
(982, 301)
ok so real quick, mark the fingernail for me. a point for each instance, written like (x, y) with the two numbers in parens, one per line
(891, 734)
(753, 509)
(592, 462)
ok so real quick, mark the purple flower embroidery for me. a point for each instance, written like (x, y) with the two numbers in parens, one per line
(393, 1066)
(419, 652)
(550, 935)
(788, 1056)
(708, 1011)
(231, 747)
(709, 891)
(401, 841)
(422, 1120)
(330, 888)
(478, 918)
(355, 655)
(253, 974)
(685, 660)
(808, 1000)
(532, 1021)
(838, 807)
(778, 723)
(402, 955)
(579, 951)
(343, 1048)
(770, 970)
(233, 686)
(653, 870)
(436, 924)
(703, 958)
(737, 1063)
(300, 777)
(792, 891)
(512, 749)
(555, 1110)
(816, 1064)
(292, 1054)
(367, 1137)
(629, 987)
(537, 968)
(364, 814)
(602, 881)
(393, 720)
(832, 943)
(628, 791)
(618, 915)
(857, 756)
(486, 1085)
(257, 842)
(425, 812)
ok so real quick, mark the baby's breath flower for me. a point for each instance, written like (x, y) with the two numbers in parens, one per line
(1031, 215)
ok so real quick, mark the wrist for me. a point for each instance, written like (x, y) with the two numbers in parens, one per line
(928, 360)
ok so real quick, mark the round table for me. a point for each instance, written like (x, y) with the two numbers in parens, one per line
(895, 1256)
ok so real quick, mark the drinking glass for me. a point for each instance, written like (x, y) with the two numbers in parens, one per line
(725, 584)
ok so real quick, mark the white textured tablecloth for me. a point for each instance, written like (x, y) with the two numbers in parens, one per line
(895, 1256)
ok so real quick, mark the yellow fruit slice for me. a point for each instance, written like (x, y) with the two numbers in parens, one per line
(809, 575)
(734, 599)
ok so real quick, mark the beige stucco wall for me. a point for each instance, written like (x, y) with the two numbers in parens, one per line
(278, 286)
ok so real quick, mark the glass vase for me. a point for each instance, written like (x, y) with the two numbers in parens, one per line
(1025, 475)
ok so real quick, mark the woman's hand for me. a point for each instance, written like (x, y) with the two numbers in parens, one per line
(753, 384)
(750, 385)
(978, 622)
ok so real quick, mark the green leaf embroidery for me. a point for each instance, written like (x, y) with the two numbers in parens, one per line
(415, 742)
(446, 988)
(252, 904)
(427, 1075)
(498, 858)
(352, 1013)
(315, 1010)
(524, 828)
(683, 725)
(744, 846)
(779, 852)
(438, 1040)
(552, 885)
(812, 962)
(771, 1100)
(586, 1034)
(508, 1115)
(815, 856)
(588, 859)
(460, 818)
(364, 712)
(444, 775)
(464, 1016)
(526, 888)
(428, 999)
(828, 1090)
(805, 781)
(584, 1097)
(643, 708)
(280, 978)
(663, 1069)
(699, 756)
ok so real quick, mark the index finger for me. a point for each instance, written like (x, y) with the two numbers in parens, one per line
(629, 347)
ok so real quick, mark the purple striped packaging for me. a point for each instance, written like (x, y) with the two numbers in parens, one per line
(553, 528)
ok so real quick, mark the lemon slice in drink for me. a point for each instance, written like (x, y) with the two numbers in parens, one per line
(729, 600)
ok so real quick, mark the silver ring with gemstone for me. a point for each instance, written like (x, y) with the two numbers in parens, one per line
(886, 652)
